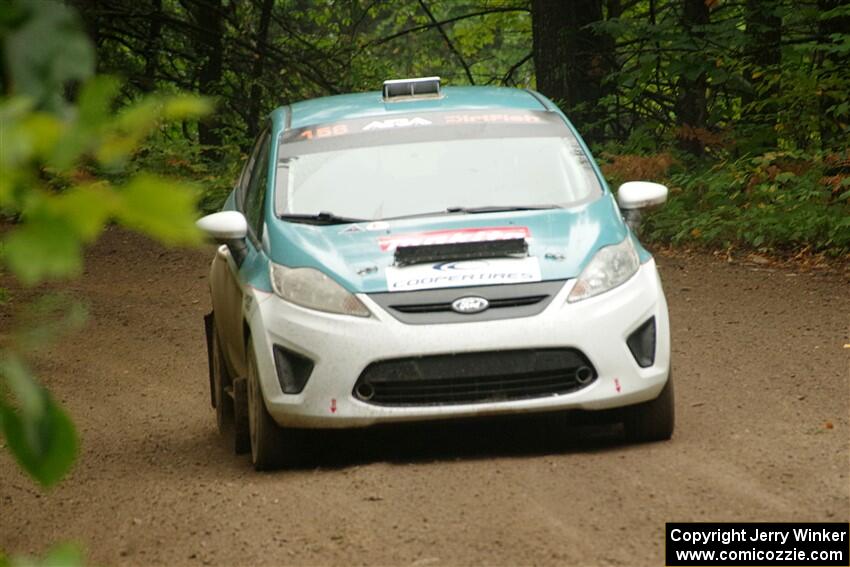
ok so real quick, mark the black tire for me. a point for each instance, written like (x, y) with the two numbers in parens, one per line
(241, 434)
(653, 420)
(221, 381)
(268, 448)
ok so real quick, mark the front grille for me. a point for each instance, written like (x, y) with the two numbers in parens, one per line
(447, 306)
(434, 306)
(474, 377)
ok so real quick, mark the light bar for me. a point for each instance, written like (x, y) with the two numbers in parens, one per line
(424, 87)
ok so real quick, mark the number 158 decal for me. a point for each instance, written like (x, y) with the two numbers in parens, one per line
(323, 132)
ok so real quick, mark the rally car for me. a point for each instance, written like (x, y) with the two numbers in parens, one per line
(426, 253)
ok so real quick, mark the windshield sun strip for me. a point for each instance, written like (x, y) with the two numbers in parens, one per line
(422, 127)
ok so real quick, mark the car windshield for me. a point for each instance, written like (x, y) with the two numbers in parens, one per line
(403, 174)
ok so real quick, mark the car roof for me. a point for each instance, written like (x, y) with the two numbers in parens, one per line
(360, 105)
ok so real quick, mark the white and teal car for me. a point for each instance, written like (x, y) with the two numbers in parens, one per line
(428, 253)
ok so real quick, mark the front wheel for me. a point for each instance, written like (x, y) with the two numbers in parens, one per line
(269, 449)
(653, 420)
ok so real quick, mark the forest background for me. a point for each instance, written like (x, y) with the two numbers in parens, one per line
(741, 106)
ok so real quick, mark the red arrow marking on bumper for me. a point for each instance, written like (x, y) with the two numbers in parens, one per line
(333, 405)
(617, 384)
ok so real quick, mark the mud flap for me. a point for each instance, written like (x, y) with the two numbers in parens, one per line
(241, 432)
(209, 329)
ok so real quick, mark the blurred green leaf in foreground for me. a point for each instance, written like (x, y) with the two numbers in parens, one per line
(64, 141)
(65, 555)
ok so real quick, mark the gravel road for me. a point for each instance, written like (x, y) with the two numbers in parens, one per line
(762, 379)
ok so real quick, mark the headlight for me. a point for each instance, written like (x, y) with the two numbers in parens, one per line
(312, 289)
(610, 267)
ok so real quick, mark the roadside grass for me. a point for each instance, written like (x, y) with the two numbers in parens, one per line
(784, 204)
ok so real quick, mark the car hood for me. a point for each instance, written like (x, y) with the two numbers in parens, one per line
(357, 255)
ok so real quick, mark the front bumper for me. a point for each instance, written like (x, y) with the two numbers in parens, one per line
(342, 347)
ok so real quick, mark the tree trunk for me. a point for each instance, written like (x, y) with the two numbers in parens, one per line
(691, 100)
(764, 33)
(571, 60)
(151, 53)
(256, 98)
(209, 47)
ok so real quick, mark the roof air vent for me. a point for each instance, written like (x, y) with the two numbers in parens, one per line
(407, 89)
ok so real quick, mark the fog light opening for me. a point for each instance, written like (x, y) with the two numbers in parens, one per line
(365, 391)
(642, 343)
(584, 375)
(293, 370)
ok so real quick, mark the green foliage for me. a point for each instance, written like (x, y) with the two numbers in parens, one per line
(38, 432)
(173, 155)
(63, 176)
(44, 50)
(68, 151)
(154, 206)
(774, 202)
(793, 83)
(65, 555)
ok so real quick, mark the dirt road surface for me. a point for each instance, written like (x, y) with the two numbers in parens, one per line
(762, 379)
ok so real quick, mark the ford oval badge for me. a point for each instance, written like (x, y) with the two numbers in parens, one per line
(470, 305)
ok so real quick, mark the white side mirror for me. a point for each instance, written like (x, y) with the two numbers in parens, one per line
(225, 226)
(641, 195)
(230, 228)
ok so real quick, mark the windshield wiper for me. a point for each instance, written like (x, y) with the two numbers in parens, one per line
(476, 210)
(499, 209)
(323, 218)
